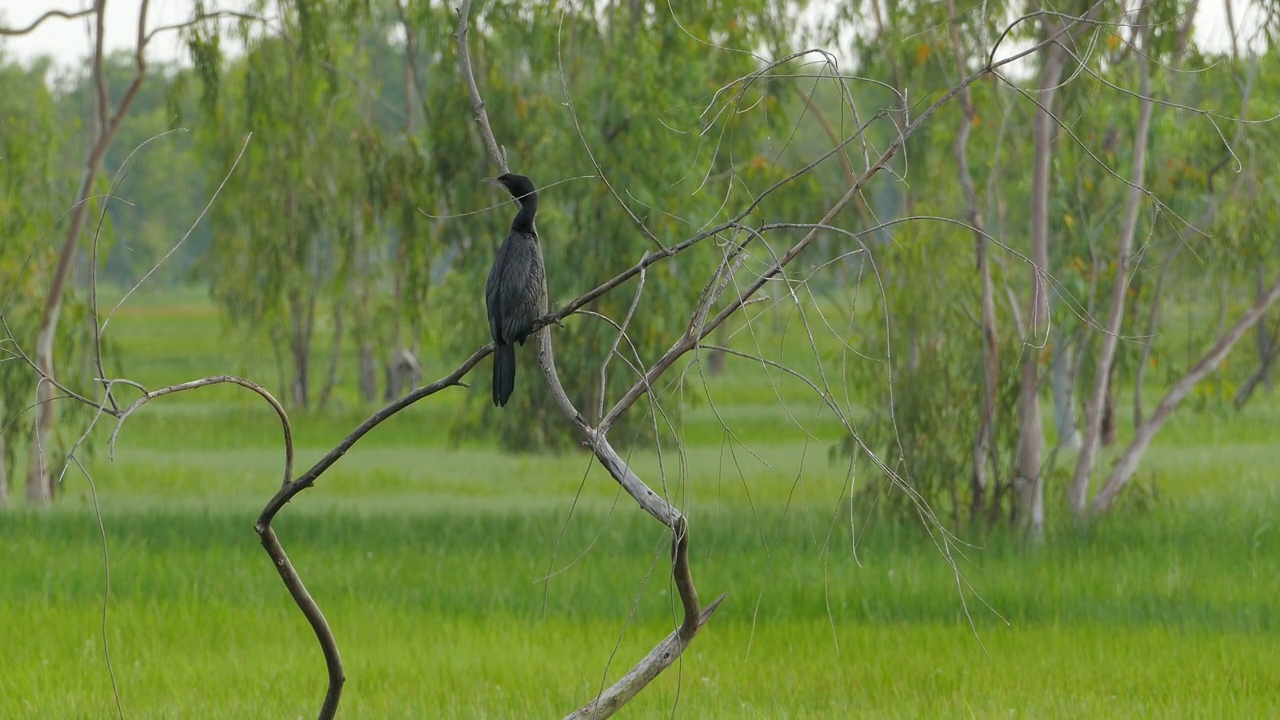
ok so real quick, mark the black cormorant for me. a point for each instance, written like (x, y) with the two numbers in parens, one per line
(516, 291)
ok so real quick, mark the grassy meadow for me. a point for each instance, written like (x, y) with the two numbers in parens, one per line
(464, 583)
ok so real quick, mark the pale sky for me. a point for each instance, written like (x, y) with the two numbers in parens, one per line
(68, 41)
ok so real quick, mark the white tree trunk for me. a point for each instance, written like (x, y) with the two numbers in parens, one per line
(1062, 367)
(1028, 478)
(979, 482)
(1123, 471)
(1078, 492)
(39, 480)
(4, 475)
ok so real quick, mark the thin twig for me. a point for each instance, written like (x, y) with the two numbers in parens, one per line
(125, 169)
(582, 138)
(178, 244)
(622, 332)
(106, 586)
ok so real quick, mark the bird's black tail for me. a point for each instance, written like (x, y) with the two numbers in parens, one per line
(504, 373)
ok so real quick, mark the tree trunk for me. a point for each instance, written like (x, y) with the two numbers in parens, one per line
(1258, 377)
(1108, 433)
(979, 482)
(4, 475)
(1153, 319)
(1099, 405)
(1125, 467)
(1062, 368)
(1224, 290)
(368, 379)
(913, 349)
(39, 481)
(715, 359)
(1263, 331)
(1029, 492)
(990, 382)
(278, 339)
(300, 349)
(1030, 483)
(403, 373)
(301, 378)
(368, 373)
(335, 357)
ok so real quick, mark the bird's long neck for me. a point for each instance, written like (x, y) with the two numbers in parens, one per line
(528, 209)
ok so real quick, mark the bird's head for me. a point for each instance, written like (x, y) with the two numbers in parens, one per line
(520, 187)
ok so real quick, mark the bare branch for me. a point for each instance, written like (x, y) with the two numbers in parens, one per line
(690, 340)
(328, 644)
(669, 649)
(68, 392)
(216, 15)
(125, 168)
(617, 340)
(270, 542)
(307, 479)
(13, 32)
(1127, 464)
(666, 652)
(496, 153)
(628, 686)
(217, 380)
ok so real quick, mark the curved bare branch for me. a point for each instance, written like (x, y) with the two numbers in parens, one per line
(499, 154)
(76, 15)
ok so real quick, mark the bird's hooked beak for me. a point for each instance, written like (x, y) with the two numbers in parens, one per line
(493, 181)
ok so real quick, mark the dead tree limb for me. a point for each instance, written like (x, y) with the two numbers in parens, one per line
(498, 153)
(668, 650)
(596, 437)
(14, 32)
(1127, 464)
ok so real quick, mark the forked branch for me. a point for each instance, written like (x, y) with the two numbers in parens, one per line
(596, 437)
(695, 616)
(666, 652)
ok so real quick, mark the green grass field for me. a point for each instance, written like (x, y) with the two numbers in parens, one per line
(430, 562)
